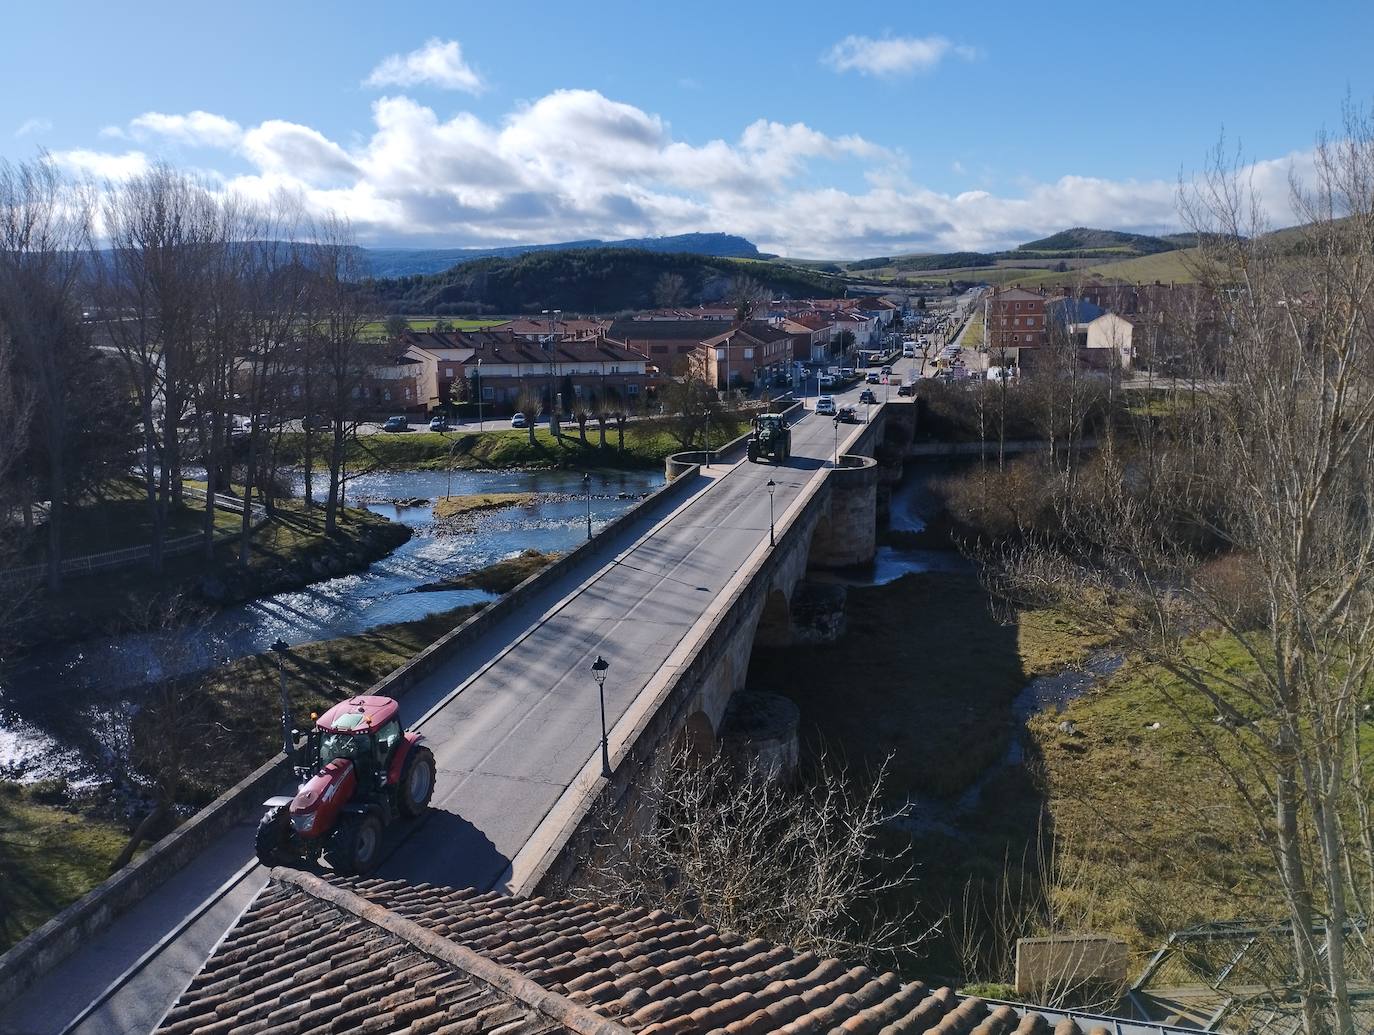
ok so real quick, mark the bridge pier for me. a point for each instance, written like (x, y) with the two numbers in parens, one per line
(848, 534)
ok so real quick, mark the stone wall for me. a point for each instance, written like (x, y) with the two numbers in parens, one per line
(850, 535)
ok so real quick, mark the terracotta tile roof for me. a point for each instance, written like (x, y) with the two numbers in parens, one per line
(310, 952)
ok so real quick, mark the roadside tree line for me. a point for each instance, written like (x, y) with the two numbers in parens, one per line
(149, 319)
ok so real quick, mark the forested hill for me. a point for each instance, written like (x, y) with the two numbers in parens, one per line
(593, 280)
(402, 262)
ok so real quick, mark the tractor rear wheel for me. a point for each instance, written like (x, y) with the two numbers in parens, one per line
(274, 833)
(355, 846)
(753, 453)
(417, 782)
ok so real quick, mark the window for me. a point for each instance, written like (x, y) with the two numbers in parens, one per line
(1016, 337)
(1018, 307)
(615, 369)
(386, 394)
(295, 391)
(448, 371)
(1016, 322)
(632, 389)
(488, 393)
(720, 354)
(748, 353)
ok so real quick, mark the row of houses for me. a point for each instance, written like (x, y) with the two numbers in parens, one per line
(530, 363)
(1111, 325)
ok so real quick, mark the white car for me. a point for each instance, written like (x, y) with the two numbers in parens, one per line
(825, 406)
(519, 420)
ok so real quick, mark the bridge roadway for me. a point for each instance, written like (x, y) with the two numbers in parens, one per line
(512, 721)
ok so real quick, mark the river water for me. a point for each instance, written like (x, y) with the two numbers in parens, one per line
(56, 703)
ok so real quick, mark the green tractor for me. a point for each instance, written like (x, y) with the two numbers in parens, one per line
(770, 437)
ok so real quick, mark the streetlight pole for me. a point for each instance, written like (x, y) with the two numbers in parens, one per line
(481, 424)
(837, 440)
(599, 667)
(288, 742)
(587, 487)
(553, 315)
(772, 538)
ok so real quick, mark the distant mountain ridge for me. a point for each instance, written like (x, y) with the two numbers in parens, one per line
(403, 262)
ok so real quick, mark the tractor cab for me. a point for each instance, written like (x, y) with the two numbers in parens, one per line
(365, 730)
(770, 437)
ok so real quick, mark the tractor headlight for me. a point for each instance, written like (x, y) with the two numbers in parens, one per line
(303, 823)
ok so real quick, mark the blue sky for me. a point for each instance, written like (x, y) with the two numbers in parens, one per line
(838, 129)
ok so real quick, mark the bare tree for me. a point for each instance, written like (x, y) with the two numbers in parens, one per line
(670, 290)
(340, 307)
(1257, 525)
(45, 226)
(153, 282)
(530, 402)
(798, 864)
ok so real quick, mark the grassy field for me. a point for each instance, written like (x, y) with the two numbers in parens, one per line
(426, 323)
(50, 858)
(1166, 267)
(284, 553)
(454, 506)
(645, 447)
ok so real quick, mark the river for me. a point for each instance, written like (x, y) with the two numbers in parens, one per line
(56, 702)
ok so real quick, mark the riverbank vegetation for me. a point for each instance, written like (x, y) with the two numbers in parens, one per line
(289, 550)
(500, 577)
(50, 856)
(448, 507)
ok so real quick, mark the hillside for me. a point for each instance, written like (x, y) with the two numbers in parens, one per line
(592, 280)
(402, 262)
(1082, 238)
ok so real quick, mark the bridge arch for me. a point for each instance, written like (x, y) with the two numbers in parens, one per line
(775, 622)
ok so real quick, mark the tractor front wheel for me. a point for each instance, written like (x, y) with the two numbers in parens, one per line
(753, 454)
(274, 833)
(417, 782)
(355, 847)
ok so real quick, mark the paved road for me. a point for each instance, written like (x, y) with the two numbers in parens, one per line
(516, 720)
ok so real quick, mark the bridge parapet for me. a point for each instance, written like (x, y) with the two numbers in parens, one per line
(849, 534)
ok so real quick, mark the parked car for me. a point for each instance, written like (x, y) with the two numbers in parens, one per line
(396, 424)
(826, 381)
(317, 422)
(439, 423)
(519, 420)
(846, 371)
(825, 406)
(887, 371)
(908, 351)
(847, 415)
(907, 389)
(873, 377)
(867, 396)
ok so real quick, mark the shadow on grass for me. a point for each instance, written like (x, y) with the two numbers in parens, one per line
(923, 680)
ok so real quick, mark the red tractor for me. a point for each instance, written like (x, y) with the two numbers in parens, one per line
(362, 772)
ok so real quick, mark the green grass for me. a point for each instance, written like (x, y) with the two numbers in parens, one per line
(426, 323)
(1166, 267)
(924, 673)
(50, 858)
(500, 577)
(645, 447)
(454, 506)
(282, 555)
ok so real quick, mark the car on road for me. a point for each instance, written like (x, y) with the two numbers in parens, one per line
(317, 422)
(825, 406)
(396, 424)
(826, 381)
(847, 415)
(439, 423)
(846, 371)
(887, 371)
(872, 377)
(907, 389)
(867, 396)
(908, 351)
(519, 420)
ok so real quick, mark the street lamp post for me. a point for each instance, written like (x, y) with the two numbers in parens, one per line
(288, 742)
(837, 440)
(481, 425)
(599, 667)
(772, 538)
(587, 488)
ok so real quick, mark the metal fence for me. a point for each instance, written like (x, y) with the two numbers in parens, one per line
(129, 555)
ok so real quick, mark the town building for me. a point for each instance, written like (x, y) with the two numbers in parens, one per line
(508, 372)
(1015, 321)
(756, 353)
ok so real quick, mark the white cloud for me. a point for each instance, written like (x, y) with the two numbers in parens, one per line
(438, 63)
(34, 127)
(892, 56)
(577, 164)
(102, 165)
(195, 129)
